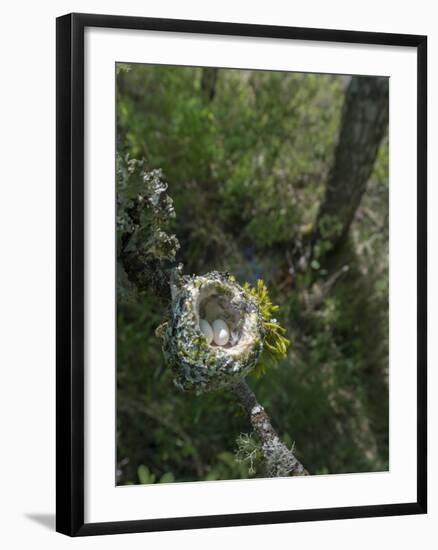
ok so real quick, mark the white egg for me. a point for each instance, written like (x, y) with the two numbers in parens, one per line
(206, 330)
(221, 334)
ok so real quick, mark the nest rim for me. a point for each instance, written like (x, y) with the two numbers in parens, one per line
(196, 364)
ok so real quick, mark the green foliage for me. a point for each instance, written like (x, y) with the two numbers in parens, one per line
(145, 476)
(329, 228)
(168, 477)
(275, 344)
(225, 466)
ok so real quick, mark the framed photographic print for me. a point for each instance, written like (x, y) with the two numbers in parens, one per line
(241, 274)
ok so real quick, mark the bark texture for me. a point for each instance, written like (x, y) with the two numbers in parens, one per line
(363, 126)
(208, 82)
(280, 461)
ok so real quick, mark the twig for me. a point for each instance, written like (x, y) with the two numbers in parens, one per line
(280, 461)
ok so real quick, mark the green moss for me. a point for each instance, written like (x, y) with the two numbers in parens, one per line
(275, 344)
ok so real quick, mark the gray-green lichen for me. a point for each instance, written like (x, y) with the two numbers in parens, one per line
(146, 246)
(200, 366)
(280, 461)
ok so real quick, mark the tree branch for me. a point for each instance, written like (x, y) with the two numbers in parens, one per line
(280, 461)
(147, 255)
(146, 248)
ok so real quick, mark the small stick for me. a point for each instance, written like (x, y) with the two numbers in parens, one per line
(280, 461)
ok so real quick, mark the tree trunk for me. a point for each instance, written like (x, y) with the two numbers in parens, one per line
(363, 126)
(208, 82)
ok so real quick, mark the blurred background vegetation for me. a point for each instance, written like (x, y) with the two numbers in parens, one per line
(248, 157)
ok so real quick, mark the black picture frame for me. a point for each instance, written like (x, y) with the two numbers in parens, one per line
(70, 273)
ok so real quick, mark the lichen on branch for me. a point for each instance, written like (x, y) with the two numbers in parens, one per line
(146, 246)
(280, 461)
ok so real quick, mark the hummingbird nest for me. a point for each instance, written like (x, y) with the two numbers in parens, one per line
(204, 358)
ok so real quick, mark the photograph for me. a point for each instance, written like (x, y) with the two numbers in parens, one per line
(217, 276)
(252, 288)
